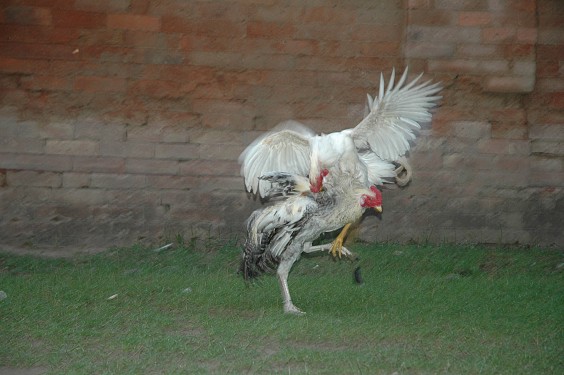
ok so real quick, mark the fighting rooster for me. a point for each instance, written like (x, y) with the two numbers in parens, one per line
(382, 137)
(278, 234)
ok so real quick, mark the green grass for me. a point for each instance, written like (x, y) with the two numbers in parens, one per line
(421, 310)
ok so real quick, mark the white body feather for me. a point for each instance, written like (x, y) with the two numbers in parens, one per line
(366, 150)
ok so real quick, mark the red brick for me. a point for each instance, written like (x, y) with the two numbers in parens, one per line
(498, 34)
(93, 37)
(12, 65)
(50, 83)
(519, 50)
(527, 35)
(550, 52)
(325, 14)
(37, 51)
(474, 18)
(149, 39)
(175, 24)
(37, 34)
(99, 84)
(237, 11)
(26, 15)
(133, 22)
(102, 5)
(156, 88)
(548, 68)
(523, 6)
(232, 30)
(256, 29)
(78, 19)
(111, 53)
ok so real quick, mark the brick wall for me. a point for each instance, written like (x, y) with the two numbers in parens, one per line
(122, 120)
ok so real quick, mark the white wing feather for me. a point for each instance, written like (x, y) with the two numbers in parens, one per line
(378, 170)
(395, 115)
(284, 149)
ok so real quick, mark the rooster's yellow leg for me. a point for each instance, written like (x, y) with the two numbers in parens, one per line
(337, 247)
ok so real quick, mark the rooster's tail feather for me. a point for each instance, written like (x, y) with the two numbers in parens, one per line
(256, 260)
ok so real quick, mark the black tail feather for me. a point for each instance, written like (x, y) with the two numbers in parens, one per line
(256, 261)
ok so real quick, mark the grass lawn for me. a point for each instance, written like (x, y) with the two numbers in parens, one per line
(420, 310)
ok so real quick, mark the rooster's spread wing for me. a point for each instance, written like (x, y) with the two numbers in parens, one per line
(394, 116)
(284, 149)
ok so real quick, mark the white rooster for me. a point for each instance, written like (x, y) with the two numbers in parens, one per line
(364, 153)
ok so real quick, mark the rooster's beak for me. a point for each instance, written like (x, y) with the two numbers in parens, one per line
(378, 209)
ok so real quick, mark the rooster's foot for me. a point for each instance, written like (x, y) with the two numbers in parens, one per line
(346, 252)
(337, 248)
(289, 308)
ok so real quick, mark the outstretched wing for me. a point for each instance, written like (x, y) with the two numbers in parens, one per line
(285, 149)
(394, 116)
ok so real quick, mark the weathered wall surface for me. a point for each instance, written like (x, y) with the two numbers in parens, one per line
(122, 120)
(490, 169)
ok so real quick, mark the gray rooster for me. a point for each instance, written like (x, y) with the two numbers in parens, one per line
(278, 234)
